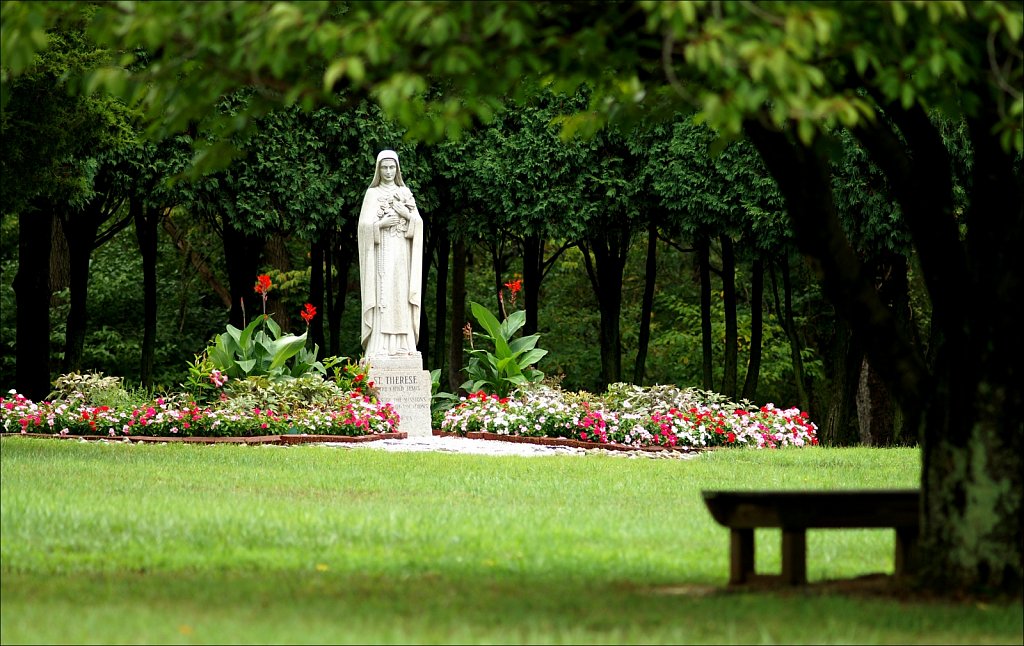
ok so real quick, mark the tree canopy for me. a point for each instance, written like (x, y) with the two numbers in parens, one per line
(786, 75)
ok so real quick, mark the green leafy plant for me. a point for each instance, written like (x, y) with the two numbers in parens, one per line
(440, 401)
(253, 352)
(511, 363)
(96, 388)
(201, 383)
(287, 396)
(351, 376)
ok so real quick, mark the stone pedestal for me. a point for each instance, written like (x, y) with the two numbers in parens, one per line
(402, 382)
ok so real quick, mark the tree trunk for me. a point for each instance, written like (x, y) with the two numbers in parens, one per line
(275, 251)
(703, 245)
(610, 249)
(341, 257)
(498, 267)
(729, 302)
(970, 423)
(839, 425)
(444, 251)
(876, 411)
(458, 320)
(971, 404)
(756, 328)
(972, 428)
(647, 306)
(81, 229)
(423, 340)
(32, 295)
(147, 221)
(533, 268)
(60, 263)
(318, 249)
(242, 257)
(785, 313)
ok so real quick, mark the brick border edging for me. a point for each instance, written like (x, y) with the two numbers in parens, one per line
(255, 439)
(562, 441)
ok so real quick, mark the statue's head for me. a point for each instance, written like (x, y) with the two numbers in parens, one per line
(387, 156)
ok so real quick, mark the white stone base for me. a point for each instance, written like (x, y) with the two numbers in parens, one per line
(402, 382)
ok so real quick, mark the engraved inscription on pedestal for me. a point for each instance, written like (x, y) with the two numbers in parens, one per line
(402, 382)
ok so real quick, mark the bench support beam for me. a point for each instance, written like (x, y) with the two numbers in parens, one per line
(741, 555)
(794, 556)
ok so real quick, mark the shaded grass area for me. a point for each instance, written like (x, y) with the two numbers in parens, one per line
(198, 544)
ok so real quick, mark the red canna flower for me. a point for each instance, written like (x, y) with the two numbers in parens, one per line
(308, 313)
(263, 284)
(514, 286)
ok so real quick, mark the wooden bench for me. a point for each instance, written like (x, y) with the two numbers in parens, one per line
(797, 511)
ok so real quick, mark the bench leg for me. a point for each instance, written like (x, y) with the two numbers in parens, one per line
(741, 555)
(906, 546)
(794, 556)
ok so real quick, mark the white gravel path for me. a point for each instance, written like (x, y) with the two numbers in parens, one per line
(497, 447)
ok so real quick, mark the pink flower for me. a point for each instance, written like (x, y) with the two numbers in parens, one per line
(217, 378)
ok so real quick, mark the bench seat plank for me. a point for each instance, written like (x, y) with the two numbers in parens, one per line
(814, 509)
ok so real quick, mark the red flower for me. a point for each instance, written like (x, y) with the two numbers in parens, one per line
(308, 313)
(262, 284)
(514, 286)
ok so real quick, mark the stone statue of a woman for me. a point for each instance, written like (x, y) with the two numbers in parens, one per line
(390, 263)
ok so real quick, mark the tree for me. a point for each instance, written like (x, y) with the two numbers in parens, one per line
(55, 163)
(723, 199)
(787, 74)
(617, 202)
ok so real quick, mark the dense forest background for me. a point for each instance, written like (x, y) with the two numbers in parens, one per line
(649, 256)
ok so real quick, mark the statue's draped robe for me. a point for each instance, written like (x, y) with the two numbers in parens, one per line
(390, 269)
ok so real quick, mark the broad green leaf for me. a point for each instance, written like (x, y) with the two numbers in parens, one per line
(513, 323)
(490, 323)
(508, 367)
(531, 357)
(275, 329)
(285, 348)
(235, 333)
(486, 319)
(243, 339)
(523, 343)
(247, 365)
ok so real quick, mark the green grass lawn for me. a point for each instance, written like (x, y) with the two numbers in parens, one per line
(233, 544)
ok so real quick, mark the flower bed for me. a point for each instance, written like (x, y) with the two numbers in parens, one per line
(672, 422)
(356, 416)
